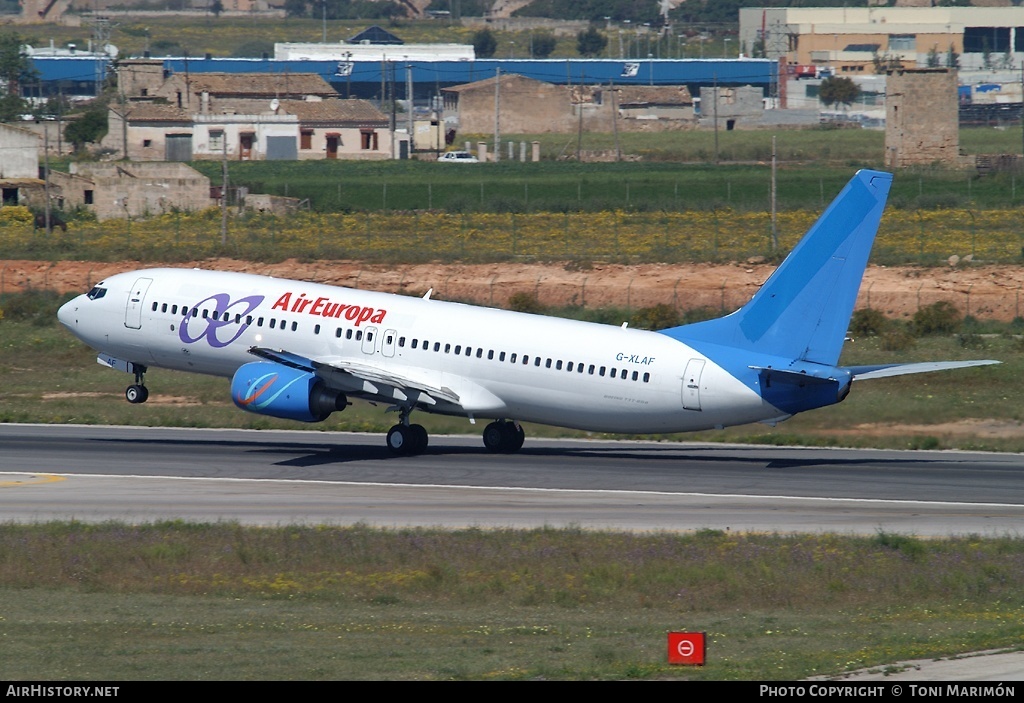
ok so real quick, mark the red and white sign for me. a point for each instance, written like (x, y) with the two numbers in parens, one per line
(686, 648)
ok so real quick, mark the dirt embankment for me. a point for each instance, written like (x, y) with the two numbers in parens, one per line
(987, 292)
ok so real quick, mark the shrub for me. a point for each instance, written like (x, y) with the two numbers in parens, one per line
(657, 317)
(938, 318)
(525, 302)
(897, 338)
(868, 323)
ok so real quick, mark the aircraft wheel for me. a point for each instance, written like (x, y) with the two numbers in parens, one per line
(400, 440)
(494, 436)
(505, 437)
(136, 393)
(516, 436)
(419, 437)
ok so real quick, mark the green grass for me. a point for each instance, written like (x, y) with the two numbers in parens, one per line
(678, 174)
(175, 601)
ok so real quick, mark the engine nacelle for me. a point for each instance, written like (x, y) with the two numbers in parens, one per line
(266, 388)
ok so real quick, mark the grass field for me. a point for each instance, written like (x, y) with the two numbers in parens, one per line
(181, 601)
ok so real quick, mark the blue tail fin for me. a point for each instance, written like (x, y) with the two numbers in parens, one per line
(803, 310)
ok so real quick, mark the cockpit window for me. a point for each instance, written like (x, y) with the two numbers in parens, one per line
(96, 293)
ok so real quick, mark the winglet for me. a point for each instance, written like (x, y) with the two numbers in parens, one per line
(803, 310)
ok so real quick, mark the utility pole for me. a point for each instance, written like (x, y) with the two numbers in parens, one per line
(715, 79)
(410, 122)
(497, 115)
(224, 188)
(775, 231)
(615, 121)
(46, 169)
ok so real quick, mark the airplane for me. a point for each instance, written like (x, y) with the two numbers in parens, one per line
(301, 351)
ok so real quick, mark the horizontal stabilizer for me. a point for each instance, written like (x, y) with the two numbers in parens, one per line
(861, 373)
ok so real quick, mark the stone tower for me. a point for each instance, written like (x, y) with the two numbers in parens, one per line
(921, 117)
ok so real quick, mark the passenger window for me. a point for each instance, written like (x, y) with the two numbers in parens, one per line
(273, 323)
(206, 314)
(547, 364)
(490, 354)
(636, 375)
(295, 326)
(154, 306)
(536, 362)
(558, 365)
(348, 333)
(624, 372)
(512, 359)
(359, 335)
(174, 309)
(337, 333)
(414, 343)
(601, 371)
(479, 353)
(437, 346)
(259, 322)
(316, 329)
(458, 348)
(163, 308)
(501, 356)
(647, 378)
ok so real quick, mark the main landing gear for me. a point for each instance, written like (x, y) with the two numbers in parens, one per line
(406, 439)
(137, 392)
(500, 437)
(504, 437)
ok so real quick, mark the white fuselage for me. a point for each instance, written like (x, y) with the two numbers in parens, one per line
(499, 364)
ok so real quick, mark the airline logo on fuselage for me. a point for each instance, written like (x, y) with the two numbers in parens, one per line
(220, 329)
(325, 307)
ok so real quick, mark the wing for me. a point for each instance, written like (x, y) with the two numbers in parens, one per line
(364, 379)
(887, 370)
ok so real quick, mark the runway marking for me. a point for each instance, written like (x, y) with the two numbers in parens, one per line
(512, 489)
(36, 480)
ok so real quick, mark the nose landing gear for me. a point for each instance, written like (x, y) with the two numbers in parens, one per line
(137, 392)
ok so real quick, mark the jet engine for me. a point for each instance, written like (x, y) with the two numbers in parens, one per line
(267, 388)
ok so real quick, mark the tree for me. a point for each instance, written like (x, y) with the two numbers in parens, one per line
(216, 7)
(15, 69)
(591, 42)
(838, 89)
(484, 44)
(295, 8)
(543, 44)
(89, 128)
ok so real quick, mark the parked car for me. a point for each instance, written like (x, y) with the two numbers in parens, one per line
(458, 157)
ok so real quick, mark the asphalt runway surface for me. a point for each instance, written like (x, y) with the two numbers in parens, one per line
(93, 473)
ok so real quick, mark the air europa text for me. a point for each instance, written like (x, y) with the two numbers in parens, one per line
(325, 307)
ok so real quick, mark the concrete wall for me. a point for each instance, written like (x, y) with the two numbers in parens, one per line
(19, 153)
(132, 189)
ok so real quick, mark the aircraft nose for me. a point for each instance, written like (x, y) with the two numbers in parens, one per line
(66, 314)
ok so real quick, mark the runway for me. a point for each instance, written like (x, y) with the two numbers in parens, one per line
(92, 473)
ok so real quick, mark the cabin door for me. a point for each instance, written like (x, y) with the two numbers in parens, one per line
(691, 384)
